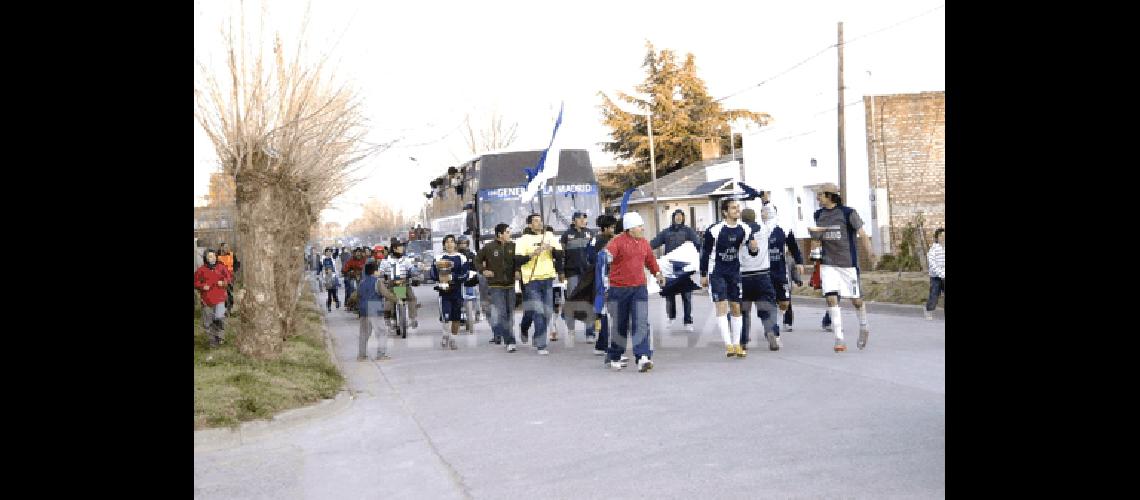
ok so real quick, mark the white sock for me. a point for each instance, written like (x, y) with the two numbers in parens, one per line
(722, 325)
(836, 322)
(736, 331)
(861, 312)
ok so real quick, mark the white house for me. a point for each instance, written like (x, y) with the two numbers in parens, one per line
(796, 153)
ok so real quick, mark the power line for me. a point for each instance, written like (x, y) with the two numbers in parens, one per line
(824, 50)
(860, 37)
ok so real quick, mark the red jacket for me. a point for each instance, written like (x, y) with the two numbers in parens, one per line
(205, 276)
(354, 263)
(630, 256)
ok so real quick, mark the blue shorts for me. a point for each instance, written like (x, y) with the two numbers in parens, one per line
(758, 288)
(783, 291)
(451, 305)
(724, 287)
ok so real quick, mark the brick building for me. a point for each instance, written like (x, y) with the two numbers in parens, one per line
(906, 144)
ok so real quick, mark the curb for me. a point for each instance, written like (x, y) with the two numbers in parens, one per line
(875, 307)
(219, 439)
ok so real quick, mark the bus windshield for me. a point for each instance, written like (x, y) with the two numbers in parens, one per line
(558, 209)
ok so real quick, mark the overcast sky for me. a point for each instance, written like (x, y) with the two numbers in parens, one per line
(420, 67)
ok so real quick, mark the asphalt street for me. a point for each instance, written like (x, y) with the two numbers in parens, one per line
(479, 422)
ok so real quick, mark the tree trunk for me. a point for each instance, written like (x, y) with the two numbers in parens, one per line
(260, 334)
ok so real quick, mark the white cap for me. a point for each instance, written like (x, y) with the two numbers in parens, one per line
(631, 220)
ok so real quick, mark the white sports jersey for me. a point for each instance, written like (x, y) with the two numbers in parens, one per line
(394, 268)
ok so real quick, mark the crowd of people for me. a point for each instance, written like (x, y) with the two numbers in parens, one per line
(598, 277)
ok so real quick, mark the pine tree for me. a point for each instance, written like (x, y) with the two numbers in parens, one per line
(679, 126)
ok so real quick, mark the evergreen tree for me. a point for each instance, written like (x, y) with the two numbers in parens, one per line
(680, 126)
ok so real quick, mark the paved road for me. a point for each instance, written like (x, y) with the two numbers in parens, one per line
(481, 423)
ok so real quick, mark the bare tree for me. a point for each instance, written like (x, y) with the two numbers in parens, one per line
(495, 136)
(292, 138)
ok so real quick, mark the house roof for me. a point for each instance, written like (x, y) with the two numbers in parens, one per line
(710, 187)
(688, 181)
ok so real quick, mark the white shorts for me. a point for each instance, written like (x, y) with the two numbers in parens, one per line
(843, 280)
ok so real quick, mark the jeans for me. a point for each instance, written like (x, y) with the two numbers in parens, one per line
(349, 287)
(603, 341)
(332, 298)
(629, 305)
(501, 308)
(540, 303)
(766, 311)
(687, 302)
(937, 287)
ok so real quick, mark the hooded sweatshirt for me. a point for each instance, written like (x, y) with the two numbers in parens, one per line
(676, 234)
(208, 276)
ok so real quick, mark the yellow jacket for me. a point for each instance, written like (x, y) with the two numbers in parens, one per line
(539, 267)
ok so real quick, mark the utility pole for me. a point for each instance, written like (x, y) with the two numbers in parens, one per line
(842, 145)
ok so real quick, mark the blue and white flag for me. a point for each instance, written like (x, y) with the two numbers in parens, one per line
(547, 167)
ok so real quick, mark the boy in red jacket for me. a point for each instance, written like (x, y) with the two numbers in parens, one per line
(211, 280)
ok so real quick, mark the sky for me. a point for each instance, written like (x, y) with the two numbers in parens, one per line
(421, 67)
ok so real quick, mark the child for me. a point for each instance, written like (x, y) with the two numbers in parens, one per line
(331, 282)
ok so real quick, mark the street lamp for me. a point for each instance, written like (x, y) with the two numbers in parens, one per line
(647, 101)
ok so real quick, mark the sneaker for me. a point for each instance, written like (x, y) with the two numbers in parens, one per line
(614, 365)
(864, 332)
(452, 345)
(543, 352)
(779, 343)
(730, 351)
(929, 315)
(669, 324)
(599, 352)
(773, 343)
(644, 364)
(840, 346)
(689, 327)
(381, 356)
(495, 340)
(787, 328)
(511, 348)
(525, 336)
(740, 351)
(826, 328)
(624, 359)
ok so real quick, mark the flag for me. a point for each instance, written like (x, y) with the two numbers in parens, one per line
(547, 167)
(625, 201)
(749, 193)
(680, 269)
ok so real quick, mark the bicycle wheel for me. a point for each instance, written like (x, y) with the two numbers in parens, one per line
(402, 318)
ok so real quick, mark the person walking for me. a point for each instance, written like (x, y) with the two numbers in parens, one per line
(210, 280)
(627, 296)
(936, 262)
(538, 274)
(720, 270)
(672, 237)
(496, 263)
(836, 228)
(370, 308)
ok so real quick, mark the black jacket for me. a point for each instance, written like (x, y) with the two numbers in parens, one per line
(574, 243)
(675, 235)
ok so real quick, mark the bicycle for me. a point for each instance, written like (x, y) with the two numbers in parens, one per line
(400, 308)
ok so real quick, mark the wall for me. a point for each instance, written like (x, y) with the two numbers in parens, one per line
(906, 155)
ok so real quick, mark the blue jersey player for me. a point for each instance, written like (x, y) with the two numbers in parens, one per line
(720, 269)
